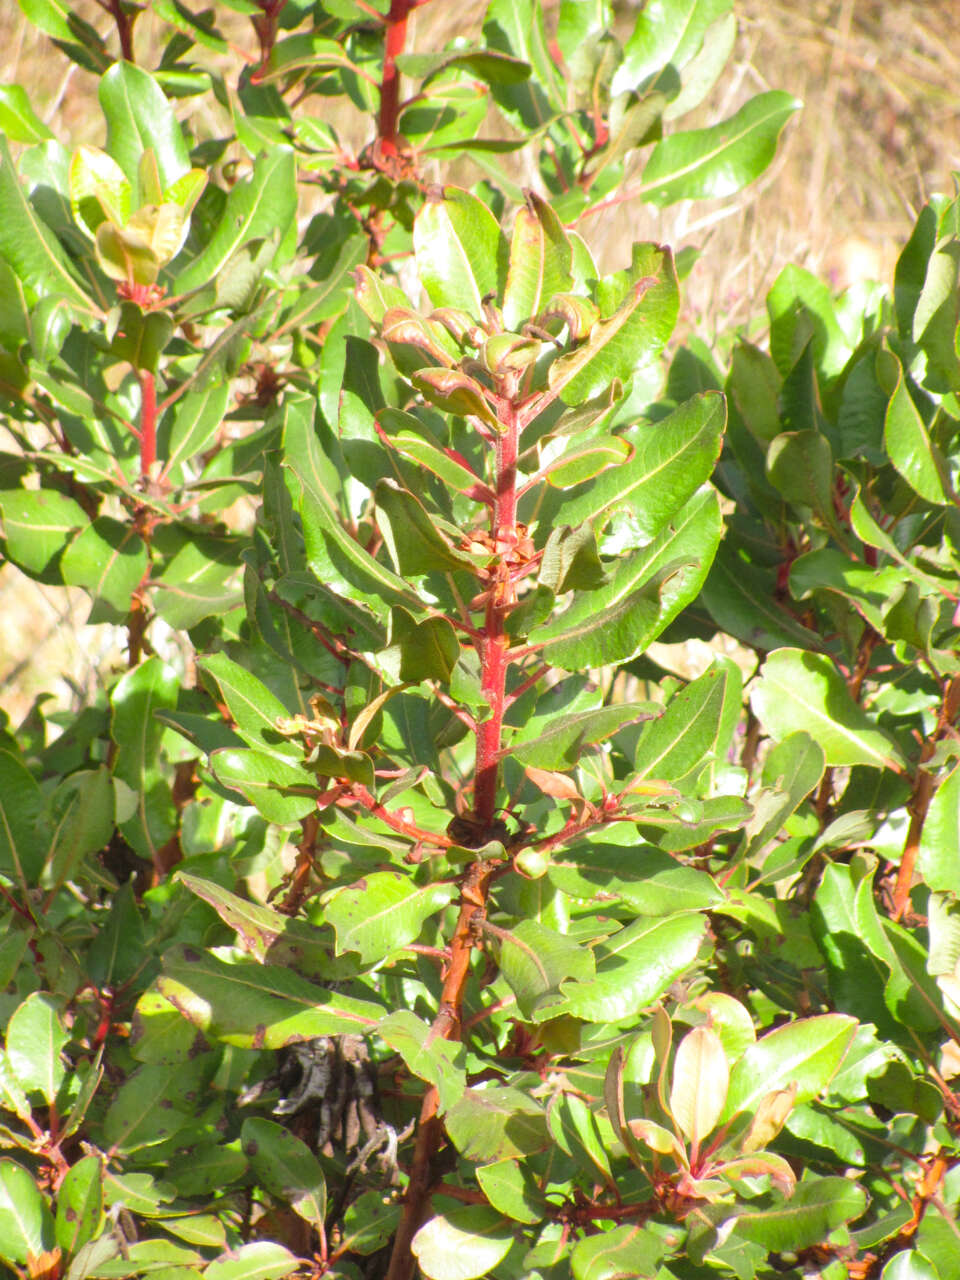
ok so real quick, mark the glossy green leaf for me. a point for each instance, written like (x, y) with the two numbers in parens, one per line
(191, 427)
(808, 1052)
(21, 807)
(940, 837)
(534, 960)
(17, 118)
(699, 164)
(26, 1224)
(258, 1006)
(496, 1123)
(80, 822)
(286, 1167)
(261, 206)
(511, 1190)
(811, 1213)
(265, 933)
(257, 713)
(800, 466)
(265, 781)
(804, 692)
(382, 913)
(36, 1038)
(37, 525)
(740, 599)
(652, 882)
(629, 339)
(135, 700)
(906, 437)
(430, 1058)
(416, 545)
(696, 725)
(563, 744)
(139, 117)
(627, 1250)
(29, 246)
(666, 34)
(634, 968)
(417, 651)
(790, 772)
(109, 559)
(80, 1204)
(646, 591)
(462, 1244)
(460, 251)
(258, 1260)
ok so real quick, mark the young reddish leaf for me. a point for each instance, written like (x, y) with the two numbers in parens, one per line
(700, 1079)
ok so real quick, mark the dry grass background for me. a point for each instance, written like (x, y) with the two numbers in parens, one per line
(879, 132)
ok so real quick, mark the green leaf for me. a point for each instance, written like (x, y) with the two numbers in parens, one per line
(804, 691)
(426, 650)
(634, 967)
(534, 960)
(81, 820)
(438, 1061)
(80, 1204)
(665, 36)
(262, 779)
(652, 882)
(646, 592)
(813, 1211)
(561, 745)
(265, 933)
(940, 838)
(262, 206)
(906, 438)
(337, 559)
(26, 1224)
(21, 807)
(496, 1123)
(485, 64)
(255, 1005)
(790, 772)
(801, 310)
(808, 1051)
(512, 1190)
(740, 599)
(135, 700)
(37, 524)
(460, 251)
(286, 1167)
(17, 118)
(415, 544)
(139, 117)
(191, 427)
(259, 1260)
(540, 263)
(382, 913)
(671, 459)
(627, 1250)
(700, 164)
(696, 725)
(29, 246)
(35, 1042)
(109, 559)
(631, 338)
(800, 466)
(462, 1244)
(255, 711)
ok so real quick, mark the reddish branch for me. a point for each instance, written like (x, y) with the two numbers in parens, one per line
(923, 791)
(495, 661)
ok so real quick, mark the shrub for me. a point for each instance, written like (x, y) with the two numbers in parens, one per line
(397, 906)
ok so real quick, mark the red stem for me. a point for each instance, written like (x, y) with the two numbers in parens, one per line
(148, 422)
(494, 643)
(395, 40)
